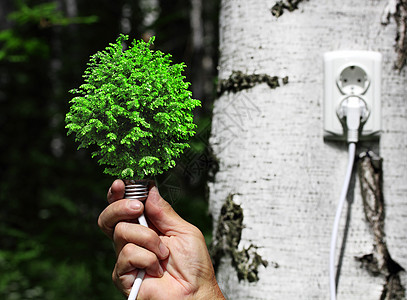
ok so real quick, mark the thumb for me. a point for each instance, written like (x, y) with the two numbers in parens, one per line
(162, 215)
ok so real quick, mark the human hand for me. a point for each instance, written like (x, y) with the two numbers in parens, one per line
(172, 251)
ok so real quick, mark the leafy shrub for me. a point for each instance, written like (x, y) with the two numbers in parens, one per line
(135, 108)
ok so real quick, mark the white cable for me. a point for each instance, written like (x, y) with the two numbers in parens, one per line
(353, 109)
(136, 285)
(141, 273)
(335, 229)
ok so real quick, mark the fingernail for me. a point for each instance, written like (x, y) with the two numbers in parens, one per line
(134, 204)
(163, 250)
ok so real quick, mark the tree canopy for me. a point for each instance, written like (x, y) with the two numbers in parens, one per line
(135, 107)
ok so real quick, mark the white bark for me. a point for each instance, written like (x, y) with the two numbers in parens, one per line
(273, 157)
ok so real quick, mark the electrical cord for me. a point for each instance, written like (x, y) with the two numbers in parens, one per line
(141, 273)
(342, 198)
(352, 109)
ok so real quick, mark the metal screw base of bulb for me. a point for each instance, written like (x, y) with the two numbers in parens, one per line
(136, 189)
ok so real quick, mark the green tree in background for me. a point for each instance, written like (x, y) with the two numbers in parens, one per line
(51, 194)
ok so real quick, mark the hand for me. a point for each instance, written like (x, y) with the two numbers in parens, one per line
(172, 251)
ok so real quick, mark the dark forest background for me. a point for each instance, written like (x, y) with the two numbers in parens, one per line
(50, 193)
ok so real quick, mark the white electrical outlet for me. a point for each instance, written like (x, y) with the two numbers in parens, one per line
(352, 73)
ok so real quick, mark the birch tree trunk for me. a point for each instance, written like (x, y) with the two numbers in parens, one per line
(275, 193)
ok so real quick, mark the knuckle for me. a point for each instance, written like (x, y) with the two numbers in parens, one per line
(114, 275)
(102, 225)
(127, 251)
(116, 278)
(100, 222)
(120, 230)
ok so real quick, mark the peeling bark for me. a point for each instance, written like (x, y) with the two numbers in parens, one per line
(398, 10)
(379, 262)
(278, 9)
(227, 239)
(238, 81)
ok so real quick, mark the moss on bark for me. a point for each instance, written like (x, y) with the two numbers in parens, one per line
(278, 9)
(238, 81)
(226, 241)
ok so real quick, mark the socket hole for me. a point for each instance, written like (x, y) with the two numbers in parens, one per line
(353, 80)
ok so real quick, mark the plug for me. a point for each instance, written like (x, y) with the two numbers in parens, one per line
(353, 113)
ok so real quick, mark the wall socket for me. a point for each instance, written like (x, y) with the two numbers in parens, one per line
(352, 73)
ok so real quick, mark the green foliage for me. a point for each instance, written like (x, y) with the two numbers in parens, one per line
(50, 245)
(31, 271)
(135, 108)
(46, 14)
(16, 46)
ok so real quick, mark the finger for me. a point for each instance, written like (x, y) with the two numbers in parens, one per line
(133, 257)
(144, 237)
(116, 191)
(120, 210)
(162, 215)
(124, 283)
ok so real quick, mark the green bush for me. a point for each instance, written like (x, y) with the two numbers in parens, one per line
(134, 106)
